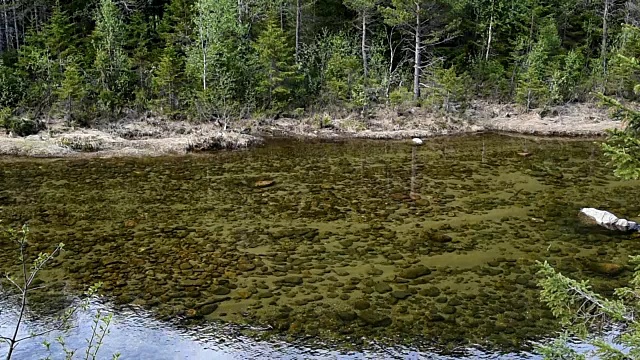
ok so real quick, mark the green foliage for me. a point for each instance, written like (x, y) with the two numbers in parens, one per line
(214, 58)
(111, 62)
(167, 81)
(584, 313)
(223, 58)
(623, 72)
(343, 74)
(449, 91)
(22, 126)
(623, 146)
(278, 76)
(400, 96)
(72, 92)
(535, 87)
(490, 78)
(11, 86)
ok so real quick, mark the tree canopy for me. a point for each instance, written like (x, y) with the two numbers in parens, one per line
(219, 60)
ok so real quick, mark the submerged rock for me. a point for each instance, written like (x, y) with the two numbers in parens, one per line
(382, 288)
(609, 269)
(208, 309)
(264, 183)
(374, 318)
(292, 280)
(400, 295)
(347, 315)
(361, 304)
(221, 290)
(430, 292)
(415, 272)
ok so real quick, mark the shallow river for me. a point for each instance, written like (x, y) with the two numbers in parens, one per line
(359, 248)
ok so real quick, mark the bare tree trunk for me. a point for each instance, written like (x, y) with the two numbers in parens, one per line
(204, 59)
(418, 57)
(15, 26)
(603, 51)
(298, 25)
(282, 15)
(6, 24)
(490, 31)
(392, 56)
(364, 45)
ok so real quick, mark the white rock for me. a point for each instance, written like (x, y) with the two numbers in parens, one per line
(417, 141)
(609, 221)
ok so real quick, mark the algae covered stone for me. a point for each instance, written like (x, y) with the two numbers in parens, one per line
(415, 272)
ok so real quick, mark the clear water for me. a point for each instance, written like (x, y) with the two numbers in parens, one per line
(367, 248)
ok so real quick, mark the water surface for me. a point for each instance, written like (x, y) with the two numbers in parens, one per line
(357, 246)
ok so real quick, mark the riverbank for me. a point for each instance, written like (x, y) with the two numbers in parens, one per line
(154, 136)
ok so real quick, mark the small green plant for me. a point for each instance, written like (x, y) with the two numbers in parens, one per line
(23, 285)
(400, 96)
(22, 126)
(5, 115)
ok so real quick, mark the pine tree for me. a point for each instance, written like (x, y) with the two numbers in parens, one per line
(278, 72)
(365, 9)
(167, 81)
(343, 82)
(534, 88)
(72, 92)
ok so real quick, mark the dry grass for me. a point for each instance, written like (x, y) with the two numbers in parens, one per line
(154, 136)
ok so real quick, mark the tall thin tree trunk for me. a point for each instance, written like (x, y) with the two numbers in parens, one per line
(6, 24)
(282, 15)
(418, 57)
(490, 31)
(15, 26)
(604, 41)
(298, 25)
(364, 45)
(204, 59)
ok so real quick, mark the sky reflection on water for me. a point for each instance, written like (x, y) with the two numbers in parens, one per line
(136, 335)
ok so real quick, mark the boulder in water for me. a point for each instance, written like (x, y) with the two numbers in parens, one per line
(607, 220)
(609, 269)
(264, 183)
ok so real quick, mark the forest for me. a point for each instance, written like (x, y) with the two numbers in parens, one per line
(219, 60)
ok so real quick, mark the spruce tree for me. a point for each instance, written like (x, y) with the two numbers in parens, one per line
(278, 75)
(72, 92)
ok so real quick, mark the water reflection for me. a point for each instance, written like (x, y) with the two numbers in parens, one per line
(135, 334)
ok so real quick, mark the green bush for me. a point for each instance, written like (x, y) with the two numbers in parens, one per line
(400, 96)
(21, 126)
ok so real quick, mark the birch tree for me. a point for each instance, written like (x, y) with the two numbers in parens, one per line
(216, 23)
(214, 58)
(111, 61)
(364, 8)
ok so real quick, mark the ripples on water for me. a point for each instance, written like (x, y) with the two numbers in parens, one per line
(136, 335)
(366, 248)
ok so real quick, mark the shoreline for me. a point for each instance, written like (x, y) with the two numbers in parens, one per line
(152, 136)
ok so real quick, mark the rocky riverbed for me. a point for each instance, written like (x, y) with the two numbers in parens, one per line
(349, 242)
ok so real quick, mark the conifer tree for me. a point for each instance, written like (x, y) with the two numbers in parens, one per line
(278, 72)
(72, 91)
